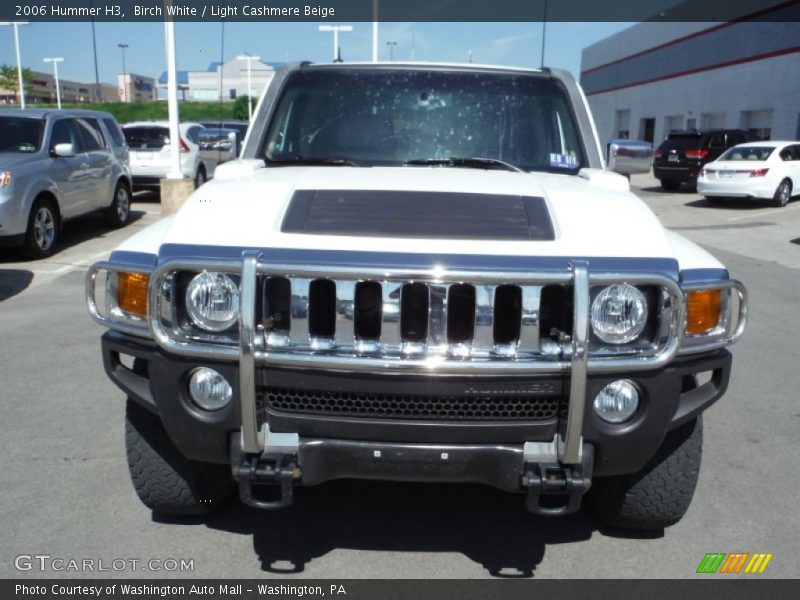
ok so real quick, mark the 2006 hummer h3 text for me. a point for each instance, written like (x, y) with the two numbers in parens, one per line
(418, 273)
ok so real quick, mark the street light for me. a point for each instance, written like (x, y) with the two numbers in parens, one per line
(335, 29)
(124, 74)
(249, 58)
(55, 60)
(15, 25)
(391, 50)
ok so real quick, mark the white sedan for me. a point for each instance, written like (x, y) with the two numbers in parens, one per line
(769, 170)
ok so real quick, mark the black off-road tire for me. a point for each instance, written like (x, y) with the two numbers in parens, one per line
(658, 495)
(670, 185)
(164, 479)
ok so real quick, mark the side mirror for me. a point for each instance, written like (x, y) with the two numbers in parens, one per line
(628, 157)
(63, 150)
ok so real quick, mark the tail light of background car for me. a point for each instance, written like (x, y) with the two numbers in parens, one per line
(184, 148)
(659, 153)
(758, 172)
(696, 153)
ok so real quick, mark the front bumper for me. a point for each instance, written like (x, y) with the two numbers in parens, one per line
(331, 447)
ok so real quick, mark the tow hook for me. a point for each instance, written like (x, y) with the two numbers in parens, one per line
(265, 469)
(555, 489)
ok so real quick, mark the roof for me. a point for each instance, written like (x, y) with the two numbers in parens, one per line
(181, 76)
(428, 65)
(162, 123)
(43, 113)
(762, 143)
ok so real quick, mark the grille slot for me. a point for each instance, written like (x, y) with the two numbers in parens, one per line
(368, 311)
(412, 407)
(507, 314)
(322, 308)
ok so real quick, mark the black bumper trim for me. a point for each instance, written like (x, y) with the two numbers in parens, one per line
(160, 384)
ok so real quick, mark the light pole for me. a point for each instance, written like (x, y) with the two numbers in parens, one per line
(55, 60)
(249, 58)
(391, 50)
(544, 31)
(124, 74)
(15, 25)
(335, 29)
(374, 30)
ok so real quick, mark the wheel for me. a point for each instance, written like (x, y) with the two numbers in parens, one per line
(164, 479)
(715, 200)
(42, 233)
(658, 495)
(670, 185)
(119, 212)
(200, 177)
(783, 194)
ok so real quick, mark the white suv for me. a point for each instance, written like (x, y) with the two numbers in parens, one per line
(149, 146)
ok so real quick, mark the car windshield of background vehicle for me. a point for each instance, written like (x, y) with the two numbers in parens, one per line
(20, 135)
(752, 153)
(390, 117)
(149, 138)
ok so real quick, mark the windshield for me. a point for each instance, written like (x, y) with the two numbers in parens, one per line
(20, 134)
(391, 117)
(748, 153)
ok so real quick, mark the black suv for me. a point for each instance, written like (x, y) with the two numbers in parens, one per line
(681, 156)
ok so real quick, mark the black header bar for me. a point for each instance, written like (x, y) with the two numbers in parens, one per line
(399, 10)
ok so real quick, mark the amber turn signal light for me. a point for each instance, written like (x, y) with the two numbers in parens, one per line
(702, 311)
(132, 293)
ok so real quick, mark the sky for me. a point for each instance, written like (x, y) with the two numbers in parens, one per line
(199, 44)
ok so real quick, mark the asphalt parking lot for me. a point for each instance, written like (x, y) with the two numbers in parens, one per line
(66, 491)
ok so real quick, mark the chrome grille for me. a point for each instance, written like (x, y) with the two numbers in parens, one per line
(408, 318)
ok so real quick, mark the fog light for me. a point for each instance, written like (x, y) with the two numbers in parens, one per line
(209, 390)
(617, 402)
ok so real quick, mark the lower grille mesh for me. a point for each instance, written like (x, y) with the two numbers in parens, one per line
(398, 406)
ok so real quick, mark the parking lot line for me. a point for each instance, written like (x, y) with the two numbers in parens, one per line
(770, 211)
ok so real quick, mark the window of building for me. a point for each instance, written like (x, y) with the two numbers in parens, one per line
(622, 124)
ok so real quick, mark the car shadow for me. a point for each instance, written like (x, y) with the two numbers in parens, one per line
(488, 526)
(74, 232)
(13, 281)
(795, 241)
(729, 203)
(657, 189)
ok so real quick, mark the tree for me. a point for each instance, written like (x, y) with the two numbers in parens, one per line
(9, 78)
(240, 110)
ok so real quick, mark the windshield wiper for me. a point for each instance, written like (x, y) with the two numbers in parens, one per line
(313, 160)
(468, 162)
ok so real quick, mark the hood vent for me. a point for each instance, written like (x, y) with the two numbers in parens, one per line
(437, 215)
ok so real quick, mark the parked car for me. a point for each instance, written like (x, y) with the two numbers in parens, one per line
(57, 165)
(763, 170)
(681, 156)
(418, 273)
(150, 149)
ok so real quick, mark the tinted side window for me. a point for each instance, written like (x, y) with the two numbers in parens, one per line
(91, 134)
(193, 132)
(717, 141)
(790, 153)
(64, 133)
(735, 138)
(114, 132)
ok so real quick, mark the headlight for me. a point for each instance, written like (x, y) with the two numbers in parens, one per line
(619, 314)
(212, 300)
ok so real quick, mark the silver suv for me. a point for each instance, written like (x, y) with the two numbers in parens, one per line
(57, 165)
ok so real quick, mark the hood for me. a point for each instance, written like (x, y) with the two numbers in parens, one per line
(252, 210)
(9, 160)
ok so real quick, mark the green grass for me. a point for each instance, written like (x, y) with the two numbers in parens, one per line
(147, 111)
